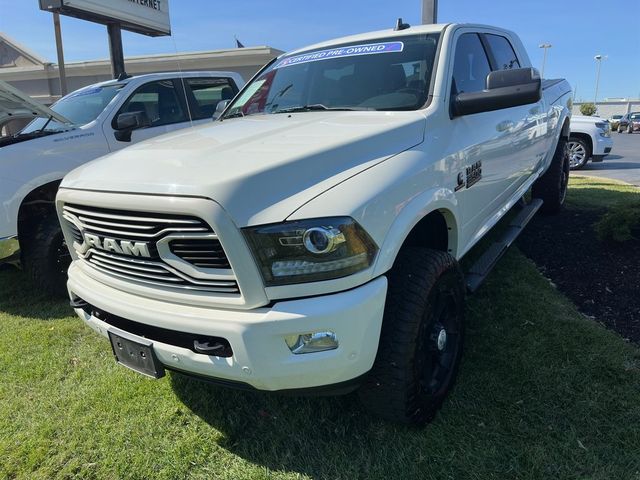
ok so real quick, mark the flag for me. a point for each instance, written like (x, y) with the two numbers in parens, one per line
(238, 43)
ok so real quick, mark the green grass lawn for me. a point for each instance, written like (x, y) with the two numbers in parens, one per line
(596, 192)
(543, 392)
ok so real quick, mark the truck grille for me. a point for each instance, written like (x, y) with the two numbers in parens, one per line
(144, 264)
(200, 252)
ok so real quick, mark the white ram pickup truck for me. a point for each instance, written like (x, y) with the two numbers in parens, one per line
(310, 240)
(590, 139)
(80, 127)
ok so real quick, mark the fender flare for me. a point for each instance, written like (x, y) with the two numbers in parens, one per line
(440, 199)
(16, 200)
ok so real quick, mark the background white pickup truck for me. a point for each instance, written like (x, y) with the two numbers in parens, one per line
(83, 126)
(310, 239)
(590, 140)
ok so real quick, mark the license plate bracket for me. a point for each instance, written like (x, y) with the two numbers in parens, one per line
(135, 353)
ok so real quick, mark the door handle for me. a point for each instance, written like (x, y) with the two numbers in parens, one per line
(505, 125)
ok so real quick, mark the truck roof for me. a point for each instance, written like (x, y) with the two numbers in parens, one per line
(162, 75)
(432, 28)
(390, 33)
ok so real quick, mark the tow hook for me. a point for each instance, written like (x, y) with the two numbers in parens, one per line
(209, 347)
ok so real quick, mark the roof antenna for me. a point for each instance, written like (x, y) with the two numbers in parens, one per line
(400, 25)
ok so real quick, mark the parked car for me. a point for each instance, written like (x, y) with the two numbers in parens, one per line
(82, 126)
(310, 240)
(614, 120)
(629, 123)
(590, 140)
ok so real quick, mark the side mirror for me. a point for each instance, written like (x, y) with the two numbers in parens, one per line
(222, 104)
(504, 89)
(128, 122)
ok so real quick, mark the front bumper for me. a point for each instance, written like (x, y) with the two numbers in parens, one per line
(9, 249)
(603, 146)
(261, 357)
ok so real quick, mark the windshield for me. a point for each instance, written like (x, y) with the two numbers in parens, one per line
(390, 74)
(80, 107)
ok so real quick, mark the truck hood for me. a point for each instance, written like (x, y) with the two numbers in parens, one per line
(585, 119)
(15, 103)
(260, 168)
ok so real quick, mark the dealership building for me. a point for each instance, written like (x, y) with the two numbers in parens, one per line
(39, 77)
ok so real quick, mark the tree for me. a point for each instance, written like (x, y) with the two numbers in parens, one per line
(587, 109)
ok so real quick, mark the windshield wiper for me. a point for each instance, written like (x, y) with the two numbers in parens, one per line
(316, 107)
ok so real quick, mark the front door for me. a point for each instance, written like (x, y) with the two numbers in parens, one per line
(164, 104)
(484, 140)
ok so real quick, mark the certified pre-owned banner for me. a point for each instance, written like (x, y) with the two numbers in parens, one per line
(349, 51)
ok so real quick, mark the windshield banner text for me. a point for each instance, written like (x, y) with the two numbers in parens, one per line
(369, 49)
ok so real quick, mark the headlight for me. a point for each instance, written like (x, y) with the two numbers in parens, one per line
(310, 250)
(605, 127)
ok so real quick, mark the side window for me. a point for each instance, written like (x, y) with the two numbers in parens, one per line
(503, 53)
(471, 66)
(207, 92)
(159, 101)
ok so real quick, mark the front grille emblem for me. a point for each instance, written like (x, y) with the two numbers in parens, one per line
(123, 247)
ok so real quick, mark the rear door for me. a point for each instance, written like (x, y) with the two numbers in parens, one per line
(205, 93)
(525, 124)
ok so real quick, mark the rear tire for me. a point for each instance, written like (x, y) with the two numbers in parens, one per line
(421, 341)
(45, 256)
(630, 128)
(551, 187)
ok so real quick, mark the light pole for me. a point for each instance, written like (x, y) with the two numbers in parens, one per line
(61, 70)
(598, 59)
(429, 11)
(544, 59)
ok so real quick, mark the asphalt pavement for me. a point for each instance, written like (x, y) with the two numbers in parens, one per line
(623, 163)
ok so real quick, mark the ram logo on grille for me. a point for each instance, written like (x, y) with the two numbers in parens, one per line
(123, 247)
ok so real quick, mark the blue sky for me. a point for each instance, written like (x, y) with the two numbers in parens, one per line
(578, 30)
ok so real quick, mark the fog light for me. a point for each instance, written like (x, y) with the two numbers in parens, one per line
(311, 342)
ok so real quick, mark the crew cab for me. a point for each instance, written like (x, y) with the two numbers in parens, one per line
(80, 127)
(309, 241)
(590, 140)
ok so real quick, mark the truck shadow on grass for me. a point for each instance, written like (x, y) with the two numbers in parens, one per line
(19, 297)
(537, 383)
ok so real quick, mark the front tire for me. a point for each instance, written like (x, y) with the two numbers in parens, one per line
(630, 129)
(45, 256)
(579, 153)
(421, 341)
(551, 187)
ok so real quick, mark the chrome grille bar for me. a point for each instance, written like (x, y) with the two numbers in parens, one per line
(97, 213)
